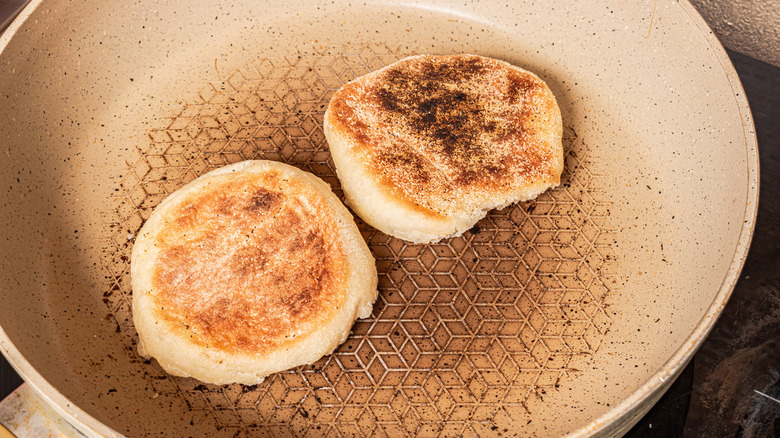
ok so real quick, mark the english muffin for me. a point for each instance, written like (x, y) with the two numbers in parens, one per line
(426, 146)
(248, 270)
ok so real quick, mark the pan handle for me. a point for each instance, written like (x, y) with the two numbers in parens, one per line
(24, 414)
(5, 433)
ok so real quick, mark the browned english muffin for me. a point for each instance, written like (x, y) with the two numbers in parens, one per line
(248, 270)
(426, 146)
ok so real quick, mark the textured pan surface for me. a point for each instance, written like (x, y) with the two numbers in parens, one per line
(568, 313)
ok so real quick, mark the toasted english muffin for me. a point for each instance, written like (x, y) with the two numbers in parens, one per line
(426, 146)
(248, 270)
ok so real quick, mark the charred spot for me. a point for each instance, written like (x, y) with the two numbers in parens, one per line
(519, 85)
(462, 69)
(248, 260)
(297, 302)
(428, 106)
(427, 111)
(311, 240)
(361, 131)
(286, 221)
(242, 341)
(471, 65)
(225, 205)
(315, 240)
(448, 148)
(262, 200)
(388, 100)
(341, 109)
(421, 175)
(467, 176)
(446, 108)
(449, 119)
(394, 75)
(495, 169)
(425, 99)
(409, 160)
(187, 217)
(344, 111)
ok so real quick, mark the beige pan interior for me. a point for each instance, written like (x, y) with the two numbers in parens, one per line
(569, 314)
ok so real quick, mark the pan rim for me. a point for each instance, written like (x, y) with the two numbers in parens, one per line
(629, 410)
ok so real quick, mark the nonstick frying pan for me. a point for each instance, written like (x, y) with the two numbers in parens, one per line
(568, 314)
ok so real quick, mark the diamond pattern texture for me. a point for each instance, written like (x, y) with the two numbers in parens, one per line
(464, 331)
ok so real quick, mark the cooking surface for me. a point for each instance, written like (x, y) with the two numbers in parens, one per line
(492, 230)
(505, 314)
(690, 404)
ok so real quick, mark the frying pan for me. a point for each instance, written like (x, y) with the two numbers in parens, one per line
(570, 314)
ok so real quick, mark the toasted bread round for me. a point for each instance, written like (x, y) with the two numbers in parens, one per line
(426, 146)
(248, 270)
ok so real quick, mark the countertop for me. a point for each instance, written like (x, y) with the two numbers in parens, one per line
(727, 389)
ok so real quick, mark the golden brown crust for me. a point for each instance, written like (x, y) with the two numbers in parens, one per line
(249, 264)
(431, 128)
